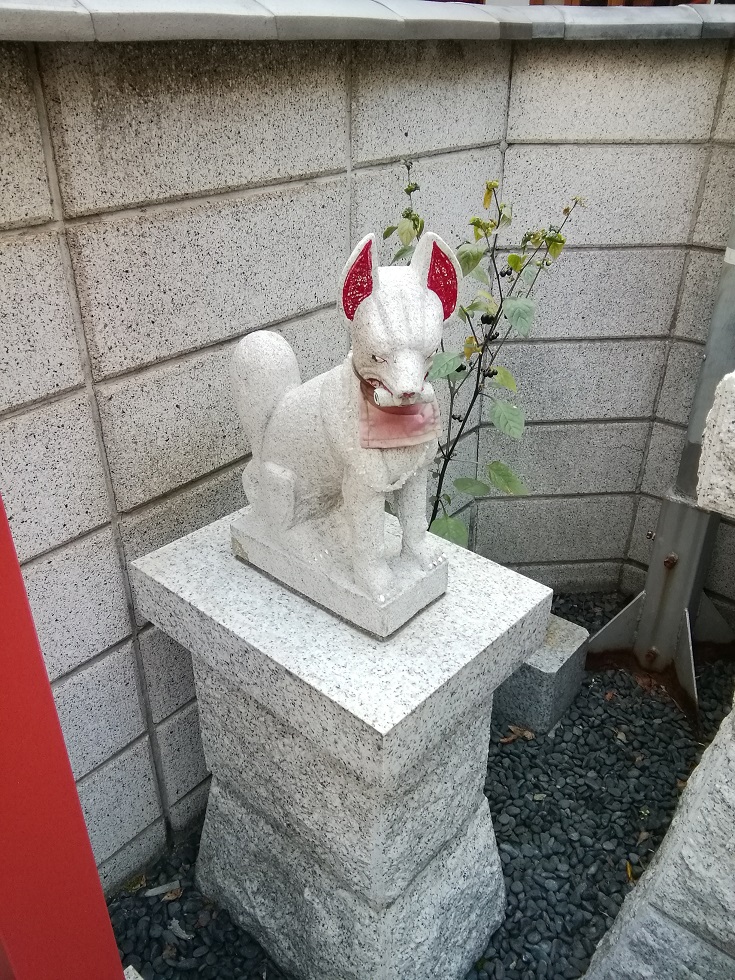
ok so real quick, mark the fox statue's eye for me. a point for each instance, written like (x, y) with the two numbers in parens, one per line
(378, 360)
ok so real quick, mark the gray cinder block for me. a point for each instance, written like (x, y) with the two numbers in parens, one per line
(541, 690)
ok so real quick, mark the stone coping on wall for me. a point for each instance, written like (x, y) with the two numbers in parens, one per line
(169, 20)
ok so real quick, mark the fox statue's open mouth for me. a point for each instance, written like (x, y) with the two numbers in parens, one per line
(377, 392)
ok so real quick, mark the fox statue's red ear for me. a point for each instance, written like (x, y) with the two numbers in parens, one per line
(358, 276)
(437, 267)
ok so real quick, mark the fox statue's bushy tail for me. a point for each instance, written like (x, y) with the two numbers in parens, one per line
(263, 369)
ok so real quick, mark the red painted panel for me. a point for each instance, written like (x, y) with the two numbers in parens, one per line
(53, 918)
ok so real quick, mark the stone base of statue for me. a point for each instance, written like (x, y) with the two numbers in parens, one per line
(325, 575)
(347, 828)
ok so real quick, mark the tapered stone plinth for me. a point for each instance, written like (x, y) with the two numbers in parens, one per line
(347, 827)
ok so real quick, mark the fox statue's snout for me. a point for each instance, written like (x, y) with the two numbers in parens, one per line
(364, 429)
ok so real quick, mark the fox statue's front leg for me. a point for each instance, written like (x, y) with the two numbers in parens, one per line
(364, 509)
(417, 542)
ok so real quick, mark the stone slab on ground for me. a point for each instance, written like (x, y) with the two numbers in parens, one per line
(541, 690)
(346, 826)
(326, 583)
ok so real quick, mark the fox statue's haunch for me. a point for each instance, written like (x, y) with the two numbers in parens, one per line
(343, 441)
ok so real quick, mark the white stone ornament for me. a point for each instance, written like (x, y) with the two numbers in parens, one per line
(328, 453)
(716, 484)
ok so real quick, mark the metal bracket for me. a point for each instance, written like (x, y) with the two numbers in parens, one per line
(655, 626)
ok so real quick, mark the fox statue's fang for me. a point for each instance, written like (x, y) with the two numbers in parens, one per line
(327, 453)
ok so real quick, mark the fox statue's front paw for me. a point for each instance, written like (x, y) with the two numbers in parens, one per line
(375, 578)
(424, 551)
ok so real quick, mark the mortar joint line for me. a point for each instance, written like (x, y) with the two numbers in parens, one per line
(57, 208)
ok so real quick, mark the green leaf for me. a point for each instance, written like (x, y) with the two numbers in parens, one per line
(389, 231)
(504, 378)
(519, 311)
(463, 314)
(444, 364)
(515, 262)
(508, 419)
(406, 231)
(529, 273)
(451, 529)
(470, 256)
(481, 275)
(503, 477)
(404, 252)
(474, 488)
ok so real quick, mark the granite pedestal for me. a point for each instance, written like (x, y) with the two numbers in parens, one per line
(347, 828)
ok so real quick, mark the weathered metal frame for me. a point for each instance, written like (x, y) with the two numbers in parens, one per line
(659, 625)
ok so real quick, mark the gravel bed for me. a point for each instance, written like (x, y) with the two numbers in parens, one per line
(578, 815)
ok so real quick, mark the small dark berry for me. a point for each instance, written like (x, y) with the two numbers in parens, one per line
(486, 318)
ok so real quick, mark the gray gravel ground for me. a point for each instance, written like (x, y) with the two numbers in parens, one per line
(577, 813)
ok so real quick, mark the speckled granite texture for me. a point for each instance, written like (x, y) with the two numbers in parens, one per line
(346, 826)
(541, 690)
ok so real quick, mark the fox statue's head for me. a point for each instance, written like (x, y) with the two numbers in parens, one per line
(396, 315)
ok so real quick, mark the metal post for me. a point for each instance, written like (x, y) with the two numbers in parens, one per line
(659, 624)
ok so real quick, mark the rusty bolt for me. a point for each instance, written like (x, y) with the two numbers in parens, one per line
(650, 535)
(651, 655)
(671, 559)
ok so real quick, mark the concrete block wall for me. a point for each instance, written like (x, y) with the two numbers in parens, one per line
(158, 201)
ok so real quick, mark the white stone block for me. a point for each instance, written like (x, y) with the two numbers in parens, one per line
(595, 366)
(133, 857)
(573, 458)
(188, 812)
(581, 295)
(451, 187)
(716, 480)
(182, 757)
(119, 800)
(593, 24)
(528, 529)
(617, 92)
(39, 354)
(78, 601)
(53, 448)
(375, 836)
(541, 690)
(164, 20)
(168, 673)
(334, 19)
(715, 210)
(99, 710)
(698, 295)
(597, 576)
(179, 513)
(45, 20)
(168, 426)
(246, 113)
(636, 195)
(721, 575)
(320, 341)
(410, 98)
(24, 193)
(662, 461)
(455, 22)
(680, 381)
(319, 930)
(179, 280)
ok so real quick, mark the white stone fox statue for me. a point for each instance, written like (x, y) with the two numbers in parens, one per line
(340, 443)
